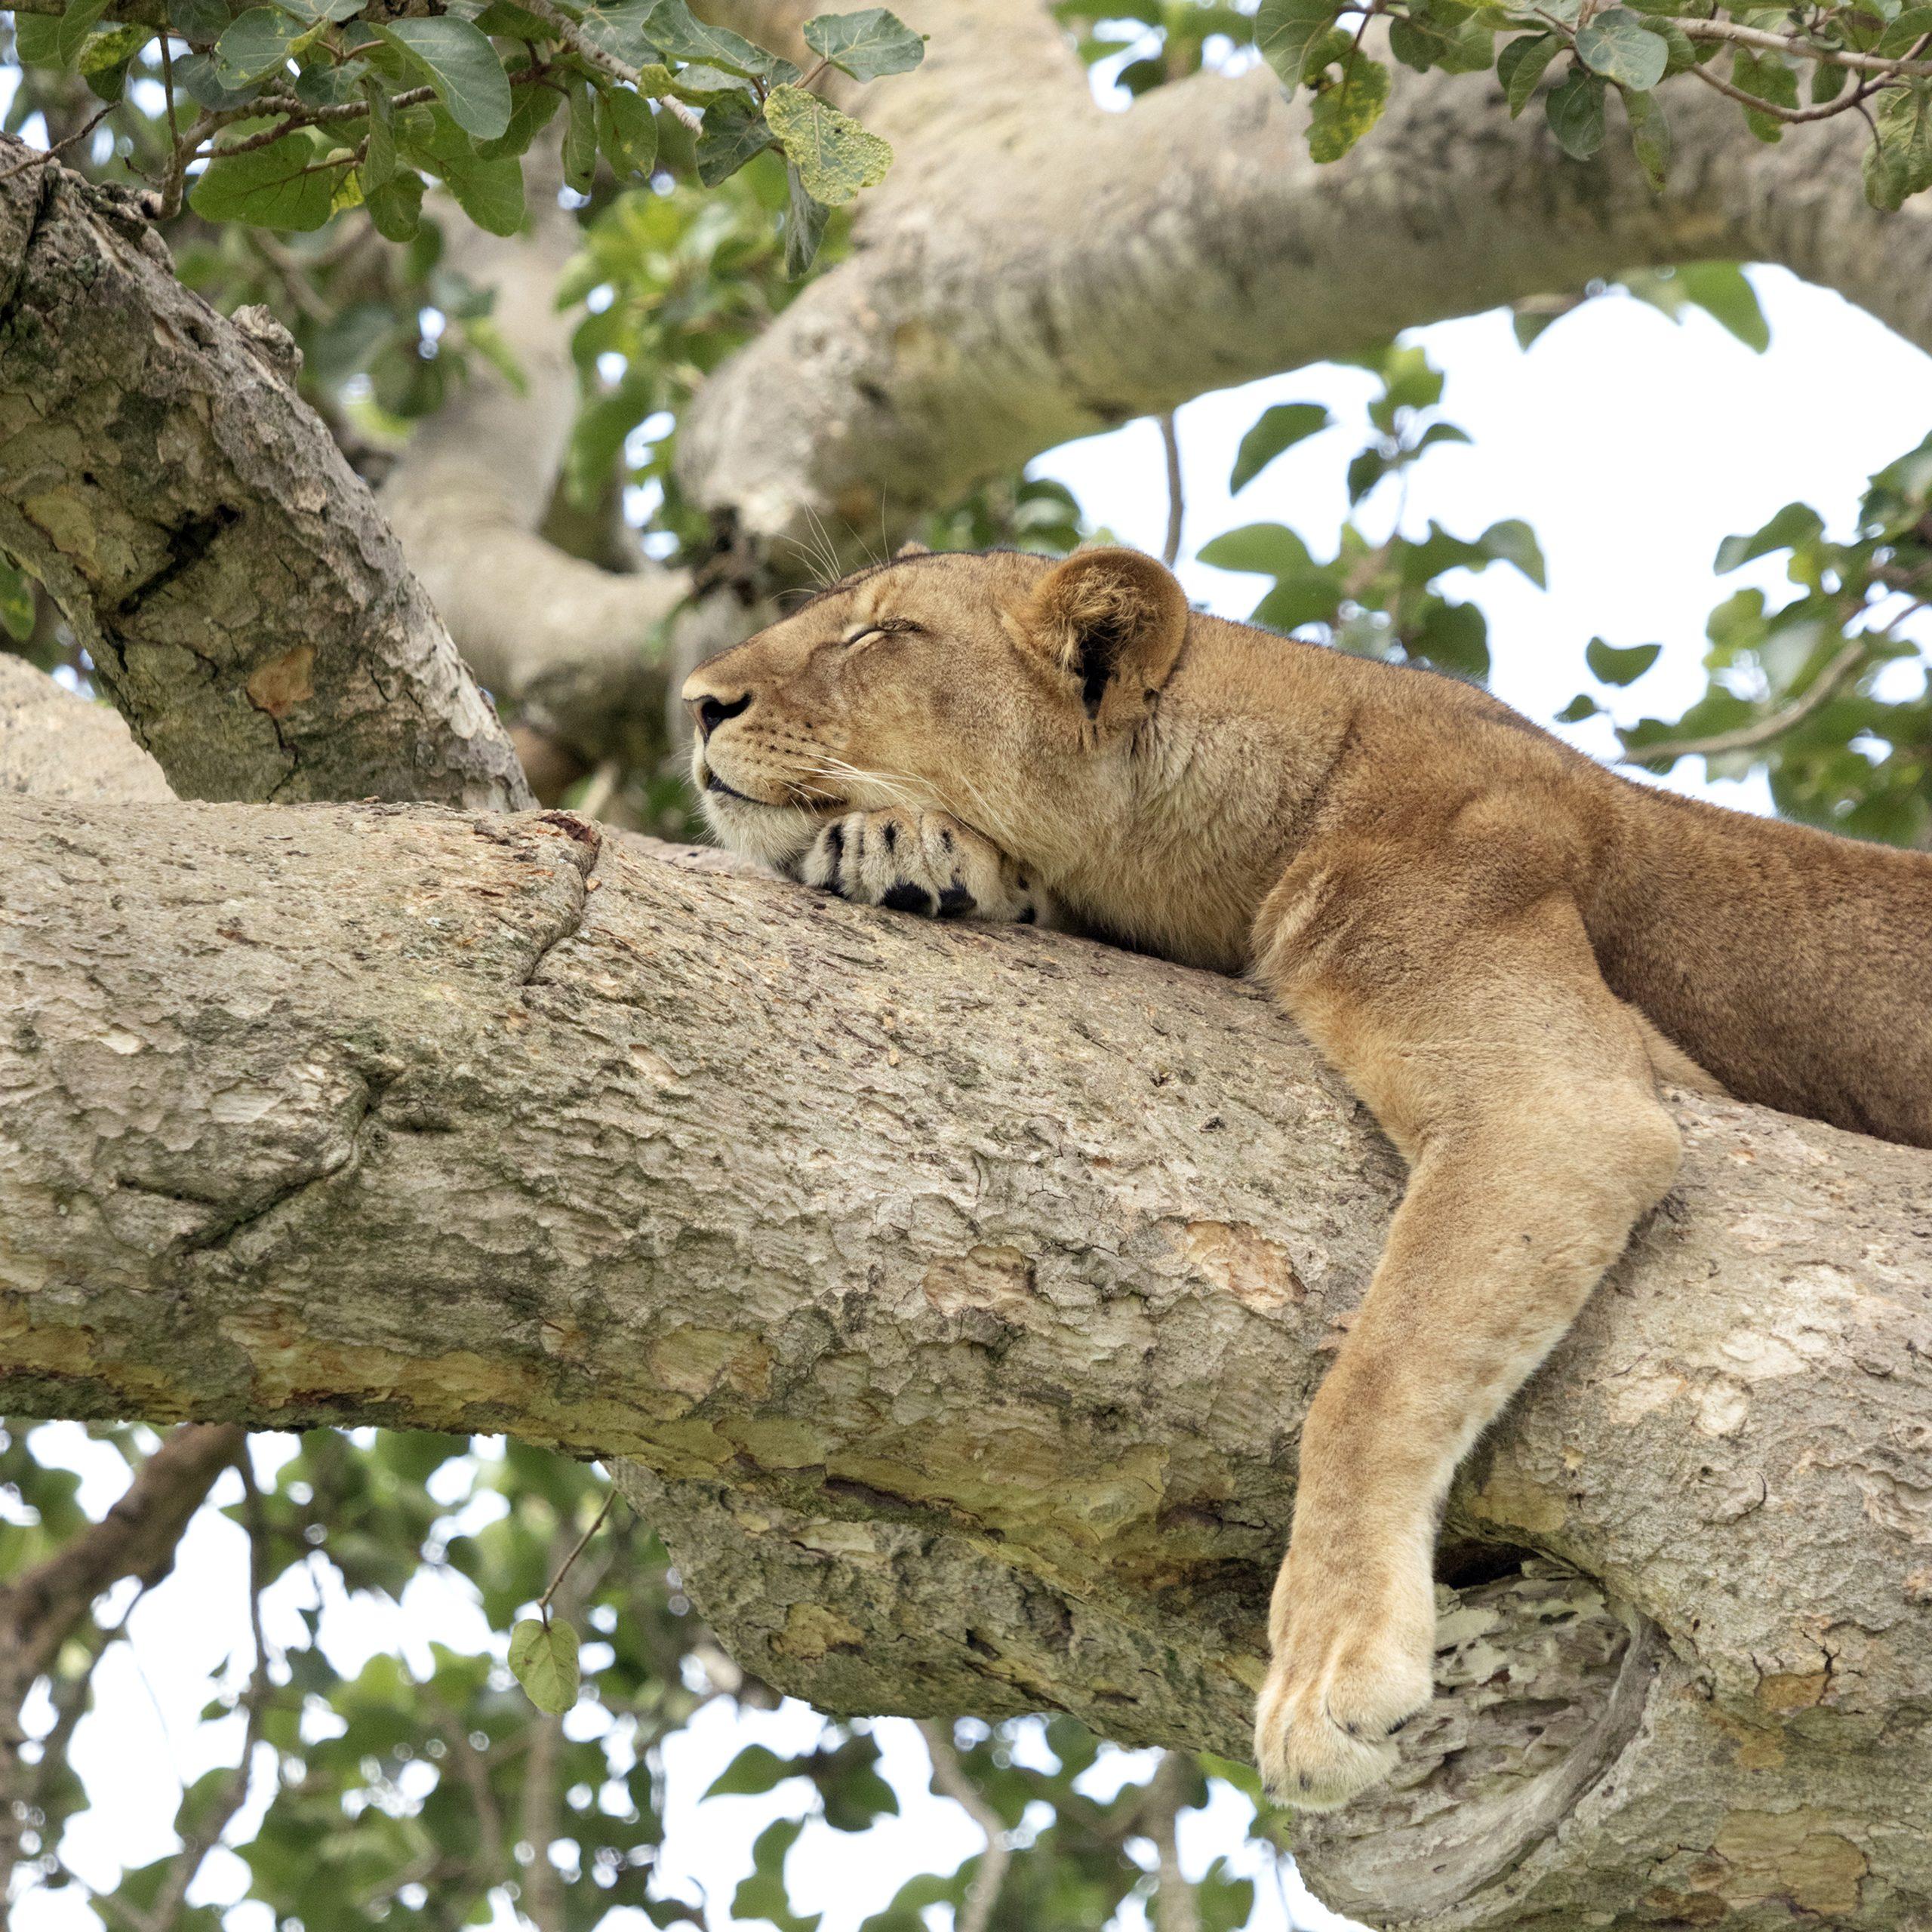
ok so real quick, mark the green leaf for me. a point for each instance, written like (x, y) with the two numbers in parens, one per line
(1904, 34)
(395, 206)
(1438, 33)
(1613, 666)
(804, 223)
(621, 29)
(1285, 31)
(316, 10)
(1522, 64)
(866, 45)
(701, 85)
(544, 1658)
(1271, 549)
(1766, 76)
(200, 21)
(1512, 541)
(532, 107)
(37, 40)
(259, 44)
(580, 140)
(462, 66)
(379, 157)
(734, 131)
(754, 1770)
(106, 57)
(1346, 109)
(17, 607)
(1574, 107)
(1298, 601)
(835, 156)
(322, 83)
(71, 30)
(673, 30)
(1650, 137)
(1619, 46)
(1724, 291)
(1794, 525)
(1899, 162)
(626, 131)
(489, 191)
(196, 75)
(270, 187)
(1452, 637)
(1581, 706)
(1279, 428)
(763, 1895)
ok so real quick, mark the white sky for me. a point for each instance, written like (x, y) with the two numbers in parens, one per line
(1633, 445)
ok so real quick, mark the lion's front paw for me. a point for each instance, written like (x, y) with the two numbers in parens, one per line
(923, 862)
(1346, 1678)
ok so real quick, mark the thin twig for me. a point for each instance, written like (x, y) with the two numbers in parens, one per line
(1821, 688)
(596, 1524)
(1903, 67)
(949, 1776)
(1790, 116)
(42, 158)
(1176, 503)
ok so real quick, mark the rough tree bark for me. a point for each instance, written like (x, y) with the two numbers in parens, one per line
(953, 1295)
(53, 746)
(241, 596)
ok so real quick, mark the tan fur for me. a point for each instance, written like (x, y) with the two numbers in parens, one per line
(1501, 946)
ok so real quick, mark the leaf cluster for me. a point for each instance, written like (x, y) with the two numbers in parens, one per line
(282, 114)
(1379, 598)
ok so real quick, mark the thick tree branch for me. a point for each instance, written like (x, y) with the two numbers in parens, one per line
(243, 600)
(956, 1294)
(54, 745)
(1036, 268)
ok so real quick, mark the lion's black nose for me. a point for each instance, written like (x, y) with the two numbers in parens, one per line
(712, 712)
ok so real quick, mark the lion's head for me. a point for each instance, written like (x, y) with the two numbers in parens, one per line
(1003, 688)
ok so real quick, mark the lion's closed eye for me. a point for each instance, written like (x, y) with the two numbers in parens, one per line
(884, 627)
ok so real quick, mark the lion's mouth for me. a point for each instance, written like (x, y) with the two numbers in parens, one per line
(712, 783)
(797, 798)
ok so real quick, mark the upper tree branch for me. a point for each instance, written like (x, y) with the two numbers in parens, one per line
(1036, 269)
(242, 599)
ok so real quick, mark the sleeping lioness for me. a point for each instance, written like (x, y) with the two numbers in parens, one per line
(1501, 946)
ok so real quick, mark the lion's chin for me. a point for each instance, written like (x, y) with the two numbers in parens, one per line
(775, 835)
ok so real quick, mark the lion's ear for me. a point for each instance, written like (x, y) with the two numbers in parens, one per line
(915, 548)
(1113, 620)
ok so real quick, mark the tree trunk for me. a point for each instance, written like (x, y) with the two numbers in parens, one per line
(954, 1294)
(241, 597)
